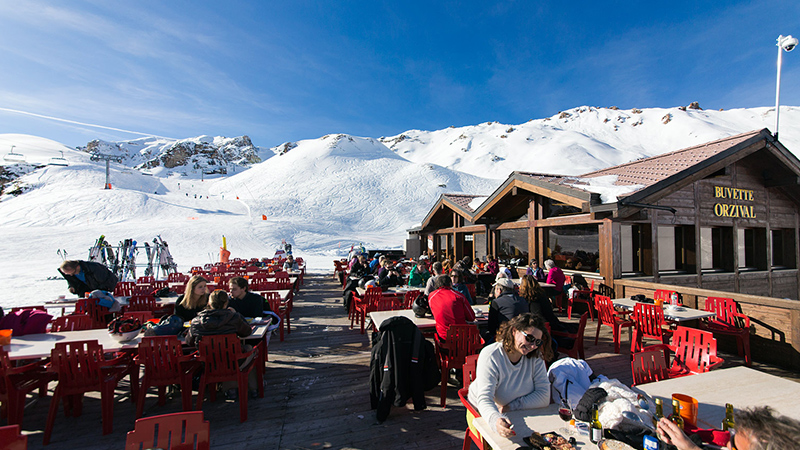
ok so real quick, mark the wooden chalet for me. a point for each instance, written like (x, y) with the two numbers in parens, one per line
(721, 215)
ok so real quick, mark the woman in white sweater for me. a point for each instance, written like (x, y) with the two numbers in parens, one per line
(511, 373)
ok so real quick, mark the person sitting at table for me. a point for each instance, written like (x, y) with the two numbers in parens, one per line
(419, 275)
(491, 265)
(506, 305)
(290, 264)
(466, 268)
(219, 318)
(245, 302)
(194, 300)
(511, 373)
(360, 268)
(756, 429)
(438, 270)
(448, 307)
(87, 276)
(457, 276)
(538, 302)
(536, 271)
(447, 265)
(555, 277)
(376, 263)
(389, 276)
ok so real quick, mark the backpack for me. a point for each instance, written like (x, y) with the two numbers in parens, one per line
(26, 321)
(168, 326)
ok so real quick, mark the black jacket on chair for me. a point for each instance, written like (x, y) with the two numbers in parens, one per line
(403, 366)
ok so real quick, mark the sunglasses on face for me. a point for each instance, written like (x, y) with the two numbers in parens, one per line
(531, 340)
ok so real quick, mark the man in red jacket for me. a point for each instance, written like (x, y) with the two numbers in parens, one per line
(448, 307)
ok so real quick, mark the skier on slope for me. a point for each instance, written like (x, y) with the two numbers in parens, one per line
(86, 276)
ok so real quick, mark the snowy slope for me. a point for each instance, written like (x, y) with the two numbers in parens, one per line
(322, 195)
(584, 139)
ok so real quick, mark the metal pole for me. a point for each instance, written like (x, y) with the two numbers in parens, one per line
(778, 93)
(108, 177)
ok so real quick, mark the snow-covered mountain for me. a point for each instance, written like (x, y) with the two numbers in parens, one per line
(322, 195)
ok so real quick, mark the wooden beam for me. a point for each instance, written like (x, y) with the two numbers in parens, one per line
(513, 225)
(577, 219)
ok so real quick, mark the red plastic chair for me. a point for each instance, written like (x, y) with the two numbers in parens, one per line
(89, 307)
(179, 277)
(473, 292)
(607, 316)
(580, 296)
(220, 355)
(15, 384)
(362, 306)
(649, 366)
(145, 280)
(179, 431)
(72, 322)
(141, 303)
(729, 321)
(665, 296)
(12, 438)
(462, 341)
(469, 435)
(648, 322)
(81, 368)
(408, 299)
(124, 289)
(164, 365)
(576, 351)
(695, 352)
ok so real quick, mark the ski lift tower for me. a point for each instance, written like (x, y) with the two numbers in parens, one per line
(97, 156)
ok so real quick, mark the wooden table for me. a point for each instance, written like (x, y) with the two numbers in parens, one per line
(684, 315)
(427, 322)
(741, 386)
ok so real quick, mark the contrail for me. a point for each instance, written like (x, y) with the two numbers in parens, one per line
(81, 123)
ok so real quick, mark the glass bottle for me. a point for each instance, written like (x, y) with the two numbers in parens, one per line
(596, 431)
(676, 413)
(728, 423)
(659, 411)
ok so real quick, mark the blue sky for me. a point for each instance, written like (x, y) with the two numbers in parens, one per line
(290, 70)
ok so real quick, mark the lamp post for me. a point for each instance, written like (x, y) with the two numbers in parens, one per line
(786, 43)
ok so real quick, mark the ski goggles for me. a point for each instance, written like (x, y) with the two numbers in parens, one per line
(531, 340)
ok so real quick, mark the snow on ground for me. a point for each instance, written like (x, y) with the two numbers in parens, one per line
(321, 195)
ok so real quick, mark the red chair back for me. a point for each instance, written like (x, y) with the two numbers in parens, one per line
(161, 356)
(179, 277)
(727, 311)
(473, 292)
(89, 307)
(78, 366)
(145, 280)
(605, 310)
(124, 289)
(72, 322)
(663, 294)
(176, 431)
(12, 439)
(469, 369)
(220, 354)
(141, 303)
(695, 350)
(649, 320)
(649, 366)
(408, 299)
(462, 341)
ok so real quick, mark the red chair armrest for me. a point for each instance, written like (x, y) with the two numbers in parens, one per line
(743, 317)
(714, 362)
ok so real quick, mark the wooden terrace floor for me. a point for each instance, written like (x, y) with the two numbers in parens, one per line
(317, 394)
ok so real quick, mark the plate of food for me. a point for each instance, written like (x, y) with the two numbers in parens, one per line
(548, 441)
(613, 444)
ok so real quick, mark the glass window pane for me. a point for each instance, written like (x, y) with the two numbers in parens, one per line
(574, 247)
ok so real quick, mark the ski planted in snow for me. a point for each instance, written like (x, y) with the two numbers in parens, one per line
(96, 252)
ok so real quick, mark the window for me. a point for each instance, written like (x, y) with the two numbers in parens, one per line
(716, 246)
(574, 247)
(555, 208)
(512, 244)
(752, 249)
(783, 249)
(676, 249)
(479, 240)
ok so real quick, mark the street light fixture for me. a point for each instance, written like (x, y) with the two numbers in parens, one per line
(786, 43)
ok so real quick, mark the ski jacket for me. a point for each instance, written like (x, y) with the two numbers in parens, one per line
(557, 277)
(217, 321)
(97, 277)
(449, 308)
(417, 277)
(251, 305)
(492, 267)
(505, 308)
(402, 366)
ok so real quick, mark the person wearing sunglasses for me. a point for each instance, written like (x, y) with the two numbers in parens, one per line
(511, 372)
(756, 429)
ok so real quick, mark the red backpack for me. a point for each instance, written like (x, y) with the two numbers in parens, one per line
(26, 321)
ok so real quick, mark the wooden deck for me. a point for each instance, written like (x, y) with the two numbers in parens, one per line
(317, 394)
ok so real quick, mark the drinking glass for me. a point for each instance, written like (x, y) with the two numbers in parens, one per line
(565, 413)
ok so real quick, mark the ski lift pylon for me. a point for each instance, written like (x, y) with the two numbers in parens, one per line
(14, 157)
(56, 161)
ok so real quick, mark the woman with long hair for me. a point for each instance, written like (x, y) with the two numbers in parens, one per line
(538, 302)
(511, 372)
(194, 300)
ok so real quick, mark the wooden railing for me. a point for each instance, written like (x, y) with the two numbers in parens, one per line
(774, 322)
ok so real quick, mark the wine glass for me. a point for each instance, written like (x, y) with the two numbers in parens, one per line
(565, 413)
